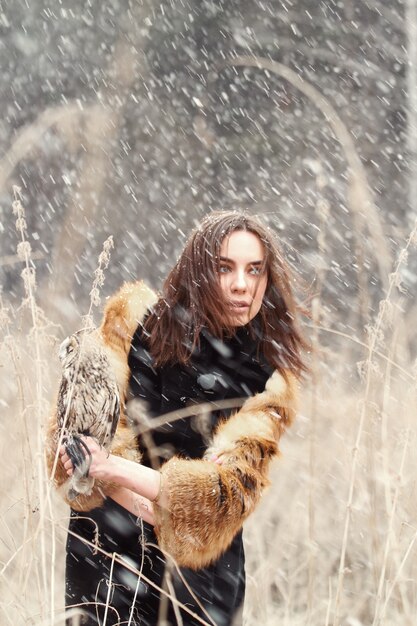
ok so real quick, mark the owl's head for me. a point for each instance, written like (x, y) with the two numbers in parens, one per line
(68, 350)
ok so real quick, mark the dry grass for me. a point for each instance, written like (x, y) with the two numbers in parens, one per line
(288, 555)
(333, 541)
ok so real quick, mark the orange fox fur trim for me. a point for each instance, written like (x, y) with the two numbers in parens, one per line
(122, 314)
(205, 504)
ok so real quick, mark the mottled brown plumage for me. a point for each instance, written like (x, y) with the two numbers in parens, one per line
(88, 403)
(121, 316)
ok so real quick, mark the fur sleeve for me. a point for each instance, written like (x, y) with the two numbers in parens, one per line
(205, 504)
(121, 316)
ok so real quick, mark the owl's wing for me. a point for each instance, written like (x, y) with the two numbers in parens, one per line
(62, 403)
(115, 413)
(106, 412)
(110, 419)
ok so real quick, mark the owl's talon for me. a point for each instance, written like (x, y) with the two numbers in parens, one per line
(74, 453)
(78, 457)
(89, 456)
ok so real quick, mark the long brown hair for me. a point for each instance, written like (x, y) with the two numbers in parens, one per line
(192, 298)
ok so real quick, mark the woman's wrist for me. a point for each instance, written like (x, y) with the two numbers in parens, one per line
(115, 470)
(138, 478)
(159, 492)
(136, 504)
(107, 470)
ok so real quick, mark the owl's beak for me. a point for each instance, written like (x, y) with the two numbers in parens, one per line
(63, 349)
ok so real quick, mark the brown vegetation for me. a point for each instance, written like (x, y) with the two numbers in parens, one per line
(333, 541)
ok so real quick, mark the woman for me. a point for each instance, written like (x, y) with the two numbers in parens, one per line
(224, 328)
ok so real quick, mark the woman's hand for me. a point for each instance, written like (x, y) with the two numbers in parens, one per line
(142, 480)
(216, 459)
(102, 463)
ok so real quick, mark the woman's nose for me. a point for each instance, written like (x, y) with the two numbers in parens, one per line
(239, 282)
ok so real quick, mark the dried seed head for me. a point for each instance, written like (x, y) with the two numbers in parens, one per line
(23, 250)
(95, 296)
(29, 279)
(362, 369)
(17, 192)
(21, 224)
(103, 262)
(18, 208)
(387, 310)
(396, 280)
(403, 258)
(104, 258)
(99, 277)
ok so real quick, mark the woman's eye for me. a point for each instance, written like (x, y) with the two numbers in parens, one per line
(223, 269)
(255, 271)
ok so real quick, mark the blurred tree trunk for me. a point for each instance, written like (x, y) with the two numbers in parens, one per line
(98, 141)
(101, 130)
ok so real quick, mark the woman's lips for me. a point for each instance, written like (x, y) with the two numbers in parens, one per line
(240, 307)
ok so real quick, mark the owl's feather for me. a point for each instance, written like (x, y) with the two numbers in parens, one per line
(88, 403)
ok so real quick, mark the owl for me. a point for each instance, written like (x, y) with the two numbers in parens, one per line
(88, 404)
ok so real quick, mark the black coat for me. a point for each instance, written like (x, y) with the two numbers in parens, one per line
(218, 370)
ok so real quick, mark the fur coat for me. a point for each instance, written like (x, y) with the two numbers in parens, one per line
(205, 503)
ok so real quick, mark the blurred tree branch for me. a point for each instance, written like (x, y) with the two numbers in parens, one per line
(363, 210)
(27, 140)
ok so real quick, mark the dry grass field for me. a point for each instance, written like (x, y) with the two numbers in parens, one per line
(334, 539)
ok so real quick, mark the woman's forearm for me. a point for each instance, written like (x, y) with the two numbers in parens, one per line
(142, 480)
(134, 503)
(133, 476)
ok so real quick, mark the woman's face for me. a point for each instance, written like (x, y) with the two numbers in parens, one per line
(243, 277)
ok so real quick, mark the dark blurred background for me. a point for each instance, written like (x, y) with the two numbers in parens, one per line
(135, 118)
